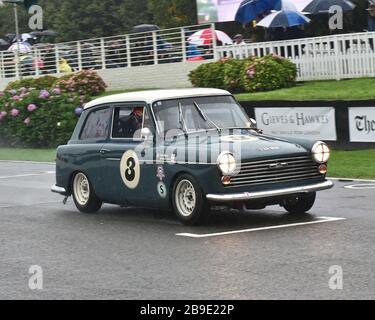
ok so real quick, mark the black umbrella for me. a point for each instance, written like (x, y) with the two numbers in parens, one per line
(323, 6)
(4, 43)
(145, 28)
(47, 33)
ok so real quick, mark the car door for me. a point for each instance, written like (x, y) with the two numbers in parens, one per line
(85, 153)
(126, 159)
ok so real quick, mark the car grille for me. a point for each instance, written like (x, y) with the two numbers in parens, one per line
(275, 171)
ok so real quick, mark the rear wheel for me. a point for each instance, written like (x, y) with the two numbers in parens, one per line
(84, 195)
(300, 204)
(189, 203)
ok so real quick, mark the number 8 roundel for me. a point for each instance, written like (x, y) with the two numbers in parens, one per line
(130, 169)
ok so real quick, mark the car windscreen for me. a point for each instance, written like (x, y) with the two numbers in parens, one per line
(200, 113)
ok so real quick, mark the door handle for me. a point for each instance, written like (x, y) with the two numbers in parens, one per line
(104, 151)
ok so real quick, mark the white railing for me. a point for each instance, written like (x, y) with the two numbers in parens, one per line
(321, 58)
(124, 51)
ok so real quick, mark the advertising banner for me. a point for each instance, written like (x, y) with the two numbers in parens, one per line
(362, 124)
(305, 123)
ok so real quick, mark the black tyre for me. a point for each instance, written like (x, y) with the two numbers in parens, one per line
(301, 204)
(84, 195)
(189, 203)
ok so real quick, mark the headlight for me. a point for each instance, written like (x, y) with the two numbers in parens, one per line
(321, 152)
(227, 163)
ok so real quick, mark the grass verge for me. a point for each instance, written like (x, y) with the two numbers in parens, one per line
(39, 155)
(343, 164)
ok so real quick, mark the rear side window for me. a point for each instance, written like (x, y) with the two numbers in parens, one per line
(97, 125)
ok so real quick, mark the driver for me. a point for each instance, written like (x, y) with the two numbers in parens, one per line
(131, 124)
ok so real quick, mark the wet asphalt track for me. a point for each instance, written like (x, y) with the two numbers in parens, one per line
(136, 254)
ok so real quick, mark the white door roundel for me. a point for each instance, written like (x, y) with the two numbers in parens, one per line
(130, 169)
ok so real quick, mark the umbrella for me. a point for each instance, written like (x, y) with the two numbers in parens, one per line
(145, 28)
(321, 6)
(3, 43)
(284, 18)
(204, 37)
(47, 33)
(22, 47)
(249, 10)
(298, 5)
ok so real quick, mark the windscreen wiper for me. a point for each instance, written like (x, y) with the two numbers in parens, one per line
(181, 119)
(204, 116)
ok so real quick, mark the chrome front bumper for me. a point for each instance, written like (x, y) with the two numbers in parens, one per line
(59, 190)
(248, 196)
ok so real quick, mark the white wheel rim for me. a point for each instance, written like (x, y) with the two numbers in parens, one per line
(81, 189)
(185, 198)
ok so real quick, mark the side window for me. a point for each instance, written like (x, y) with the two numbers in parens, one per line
(129, 121)
(96, 125)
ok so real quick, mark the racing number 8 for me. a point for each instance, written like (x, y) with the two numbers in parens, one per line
(130, 172)
(130, 169)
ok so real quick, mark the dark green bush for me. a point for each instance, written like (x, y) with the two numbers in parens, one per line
(208, 75)
(249, 75)
(268, 73)
(34, 118)
(40, 83)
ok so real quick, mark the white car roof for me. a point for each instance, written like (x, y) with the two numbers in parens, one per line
(151, 96)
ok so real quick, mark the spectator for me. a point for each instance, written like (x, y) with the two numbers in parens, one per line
(238, 40)
(371, 18)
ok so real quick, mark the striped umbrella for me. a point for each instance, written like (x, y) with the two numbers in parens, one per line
(204, 37)
(283, 18)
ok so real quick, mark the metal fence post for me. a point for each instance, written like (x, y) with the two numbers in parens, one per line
(57, 59)
(183, 44)
(128, 52)
(79, 55)
(2, 66)
(337, 58)
(102, 53)
(155, 46)
(214, 42)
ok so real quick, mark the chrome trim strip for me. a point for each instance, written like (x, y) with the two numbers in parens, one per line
(245, 196)
(60, 190)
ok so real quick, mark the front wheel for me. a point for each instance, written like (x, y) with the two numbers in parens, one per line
(84, 195)
(300, 204)
(189, 203)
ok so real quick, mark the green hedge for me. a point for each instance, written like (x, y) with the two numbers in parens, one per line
(249, 75)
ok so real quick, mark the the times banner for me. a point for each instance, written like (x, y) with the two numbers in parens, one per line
(362, 124)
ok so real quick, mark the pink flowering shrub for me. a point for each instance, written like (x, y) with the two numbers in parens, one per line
(42, 112)
(86, 83)
(39, 118)
(249, 75)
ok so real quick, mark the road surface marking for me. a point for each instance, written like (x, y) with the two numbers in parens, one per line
(28, 175)
(208, 235)
(361, 186)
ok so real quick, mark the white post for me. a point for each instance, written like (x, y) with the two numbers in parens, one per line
(102, 52)
(128, 52)
(214, 42)
(183, 44)
(155, 46)
(57, 58)
(2, 67)
(79, 55)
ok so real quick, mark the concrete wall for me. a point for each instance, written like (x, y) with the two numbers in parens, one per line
(171, 75)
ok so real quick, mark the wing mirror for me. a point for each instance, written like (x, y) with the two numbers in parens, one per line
(146, 135)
